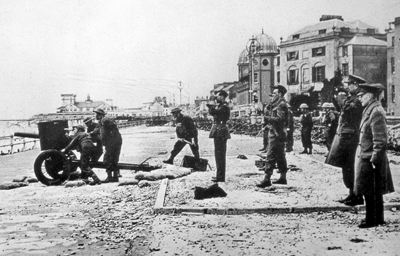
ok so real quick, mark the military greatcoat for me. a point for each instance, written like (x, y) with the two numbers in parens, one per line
(372, 150)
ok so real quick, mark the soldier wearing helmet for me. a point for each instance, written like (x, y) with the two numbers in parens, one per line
(306, 128)
(82, 142)
(112, 141)
(330, 121)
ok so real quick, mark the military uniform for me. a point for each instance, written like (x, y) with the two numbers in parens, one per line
(372, 171)
(112, 141)
(82, 142)
(290, 130)
(93, 130)
(220, 133)
(277, 137)
(330, 121)
(344, 145)
(265, 130)
(306, 129)
(185, 129)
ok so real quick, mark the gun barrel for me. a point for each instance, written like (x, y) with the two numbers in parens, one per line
(27, 135)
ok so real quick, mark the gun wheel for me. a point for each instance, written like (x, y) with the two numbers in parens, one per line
(49, 167)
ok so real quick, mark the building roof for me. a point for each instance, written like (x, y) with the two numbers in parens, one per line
(228, 87)
(366, 40)
(266, 44)
(244, 57)
(311, 30)
(91, 104)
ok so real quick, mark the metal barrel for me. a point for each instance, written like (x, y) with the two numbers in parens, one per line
(27, 135)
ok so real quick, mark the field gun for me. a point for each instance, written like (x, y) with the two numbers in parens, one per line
(53, 167)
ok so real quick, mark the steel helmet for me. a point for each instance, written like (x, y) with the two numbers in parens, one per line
(303, 105)
(326, 105)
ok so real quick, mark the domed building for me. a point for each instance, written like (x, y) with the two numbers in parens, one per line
(256, 76)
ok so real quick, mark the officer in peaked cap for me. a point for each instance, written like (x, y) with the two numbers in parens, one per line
(372, 176)
(344, 144)
(353, 79)
(220, 133)
(370, 88)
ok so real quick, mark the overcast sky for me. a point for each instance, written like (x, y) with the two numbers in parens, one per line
(132, 51)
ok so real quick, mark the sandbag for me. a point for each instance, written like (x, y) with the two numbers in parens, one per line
(12, 185)
(128, 182)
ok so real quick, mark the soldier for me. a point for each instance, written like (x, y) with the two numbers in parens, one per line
(220, 133)
(277, 121)
(185, 131)
(306, 129)
(330, 121)
(82, 142)
(94, 131)
(372, 172)
(344, 144)
(112, 141)
(265, 129)
(290, 130)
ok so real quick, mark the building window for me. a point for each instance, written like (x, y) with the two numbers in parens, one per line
(345, 51)
(393, 65)
(320, 51)
(255, 77)
(305, 54)
(87, 109)
(293, 55)
(265, 62)
(278, 77)
(393, 41)
(306, 76)
(345, 69)
(322, 31)
(318, 74)
(393, 91)
(297, 36)
(293, 77)
(278, 61)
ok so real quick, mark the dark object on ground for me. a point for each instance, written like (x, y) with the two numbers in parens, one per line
(197, 164)
(242, 157)
(210, 192)
(12, 185)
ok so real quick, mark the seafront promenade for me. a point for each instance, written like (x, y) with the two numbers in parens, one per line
(120, 220)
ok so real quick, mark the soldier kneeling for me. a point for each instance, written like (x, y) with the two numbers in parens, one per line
(82, 142)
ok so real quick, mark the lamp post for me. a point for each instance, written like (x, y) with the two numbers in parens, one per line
(180, 87)
(252, 48)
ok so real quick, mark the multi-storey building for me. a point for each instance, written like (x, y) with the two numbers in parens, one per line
(314, 60)
(256, 71)
(393, 65)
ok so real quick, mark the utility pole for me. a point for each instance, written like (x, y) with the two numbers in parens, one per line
(180, 87)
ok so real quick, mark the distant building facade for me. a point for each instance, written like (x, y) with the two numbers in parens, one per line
(313, 59)
(69, 104)
(256, 72)
(393, 68)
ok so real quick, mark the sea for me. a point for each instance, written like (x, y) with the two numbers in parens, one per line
(8, 128)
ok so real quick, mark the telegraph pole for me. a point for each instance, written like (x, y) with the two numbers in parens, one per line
(180, 86)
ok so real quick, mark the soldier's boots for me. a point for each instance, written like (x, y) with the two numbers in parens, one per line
(109, 178)
(116, 176)
(262, 149)
(266, 182)
(95, 181)
(282, 179)
(310, 151)
(169, 161)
